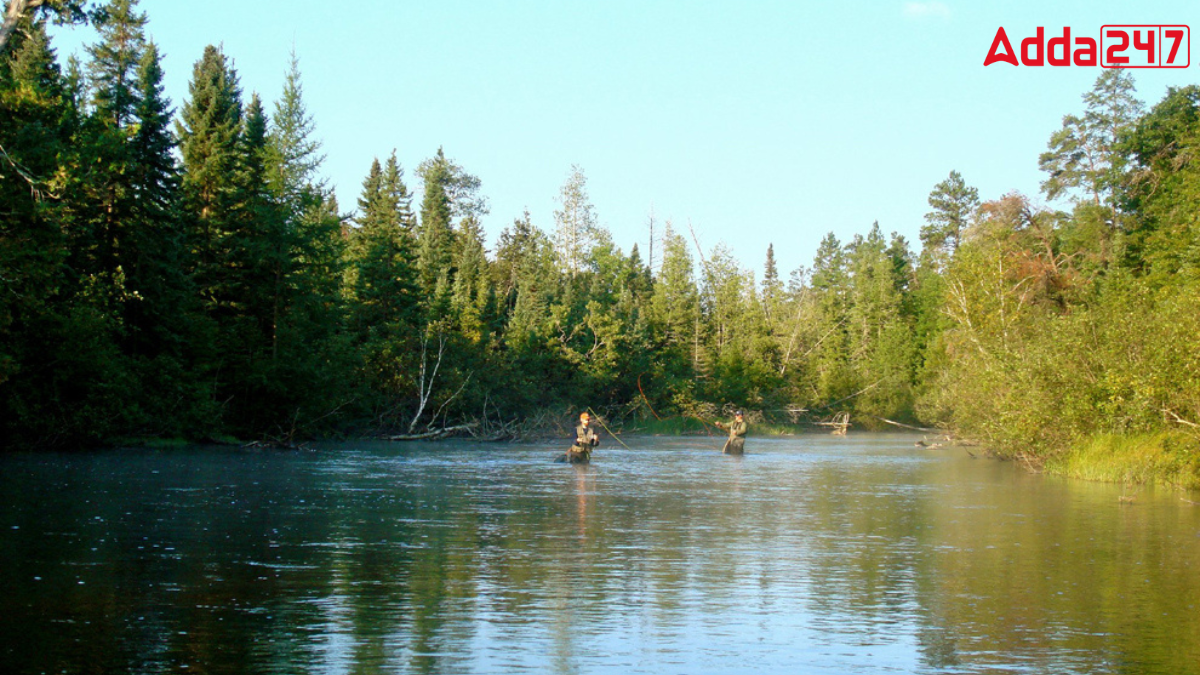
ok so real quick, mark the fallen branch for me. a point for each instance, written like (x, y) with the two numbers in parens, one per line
(904, 426)
(432, 434)
(840, 423)
(1179, 419)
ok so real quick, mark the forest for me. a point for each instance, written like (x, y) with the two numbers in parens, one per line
(187, 273)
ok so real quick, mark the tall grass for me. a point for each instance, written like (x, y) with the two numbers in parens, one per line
(1166, 458)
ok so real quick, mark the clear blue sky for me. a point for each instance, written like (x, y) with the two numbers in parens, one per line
(756, 121)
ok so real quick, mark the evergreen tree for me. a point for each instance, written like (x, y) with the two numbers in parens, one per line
(772, 287)
(1084, 154)
(675, 302)
(954, 203)
(385, 286)
(382, 287)
(435, 236)
(167, 333)
(115, 62)
(575, 223)
(472, 282)
(294, 154)
(310, 366)
(64, 378)
(880, 341)
(209, 136)
(675, 317)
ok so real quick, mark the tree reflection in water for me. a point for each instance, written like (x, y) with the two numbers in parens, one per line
(856, 555)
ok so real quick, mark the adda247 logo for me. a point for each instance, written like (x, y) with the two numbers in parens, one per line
(1120, 46)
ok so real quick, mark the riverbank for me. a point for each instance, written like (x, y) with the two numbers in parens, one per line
(1165, 458)
(694, 426)
(1168, 458)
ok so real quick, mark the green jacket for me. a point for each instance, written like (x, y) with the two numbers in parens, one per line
(737, 429)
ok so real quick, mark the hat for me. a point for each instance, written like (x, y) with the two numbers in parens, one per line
(738, 414)
(584, 415)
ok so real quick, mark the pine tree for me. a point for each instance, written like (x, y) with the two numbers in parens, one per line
(575, 223)
(209, 132)
(772, 287)
(471, 282)
(675, 302)
(167, 333)
(879, 340)
(462, 189)
(64, 378)
(382, 288)
(1085, 153)
(116, 60)
(435, 236)
(954, 204)
(294, 154)
(155, 178)
(382, 269)
(310, 368)
(107, 232)
(829, 363)
(397, 194)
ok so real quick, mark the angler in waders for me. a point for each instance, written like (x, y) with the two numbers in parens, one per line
(737, 435)
(585, 440)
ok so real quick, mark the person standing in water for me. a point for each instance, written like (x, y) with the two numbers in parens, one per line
(737, 435)
(585, 440)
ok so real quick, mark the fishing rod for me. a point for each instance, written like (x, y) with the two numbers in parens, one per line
(610, 432)
(647, 401)
(705, 424)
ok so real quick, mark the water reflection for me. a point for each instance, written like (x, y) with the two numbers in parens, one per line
(856, 555)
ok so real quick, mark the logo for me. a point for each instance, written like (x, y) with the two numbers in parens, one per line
(1120, 46)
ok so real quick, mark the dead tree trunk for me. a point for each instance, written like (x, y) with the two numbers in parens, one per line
(424, 383)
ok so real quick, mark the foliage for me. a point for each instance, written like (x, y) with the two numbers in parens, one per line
(226, 294)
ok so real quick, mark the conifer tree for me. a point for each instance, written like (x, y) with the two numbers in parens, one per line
(166, 331)
(115, 62)
(575, 223)
(382, 288)
(294, 154)
(106, 231)
(675, 302)
(471, 282)
(1085, 153)
(954, 204)
(34, 103)
(310, 352)
(382, 271)
(209, 132)
(435, 236)
(772, 287)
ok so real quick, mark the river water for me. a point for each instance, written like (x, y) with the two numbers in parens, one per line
(811, 554)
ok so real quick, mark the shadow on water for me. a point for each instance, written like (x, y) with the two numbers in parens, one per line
(813, 553)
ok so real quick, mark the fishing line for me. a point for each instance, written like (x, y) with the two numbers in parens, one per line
(610, 432)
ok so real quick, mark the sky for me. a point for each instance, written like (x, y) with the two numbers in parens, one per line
(756, 122)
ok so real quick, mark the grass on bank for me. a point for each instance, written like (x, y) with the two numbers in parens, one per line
(1164, 458)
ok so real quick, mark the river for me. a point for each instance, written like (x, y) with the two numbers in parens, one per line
(811, 554)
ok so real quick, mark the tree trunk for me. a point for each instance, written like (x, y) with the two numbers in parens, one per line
(16, 9)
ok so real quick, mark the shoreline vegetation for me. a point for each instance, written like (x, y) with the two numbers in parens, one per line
(183, 270)
(1166, 458)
